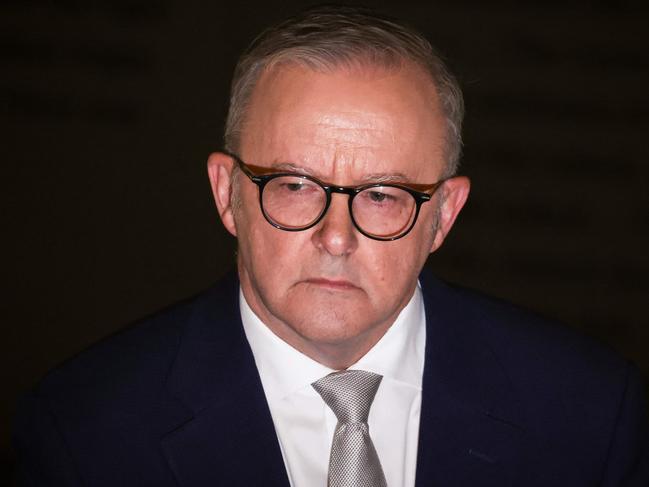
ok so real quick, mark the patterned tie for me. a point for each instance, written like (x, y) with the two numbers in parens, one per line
(353, 461)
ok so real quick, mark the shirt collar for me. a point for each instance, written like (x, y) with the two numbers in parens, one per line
(398, 355)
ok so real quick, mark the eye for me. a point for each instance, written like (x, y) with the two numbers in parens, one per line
(377, 196)
(294, 187)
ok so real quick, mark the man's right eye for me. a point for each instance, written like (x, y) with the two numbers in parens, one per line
(294, 187)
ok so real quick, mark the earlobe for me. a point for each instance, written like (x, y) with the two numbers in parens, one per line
(453, 198)
(219, 170)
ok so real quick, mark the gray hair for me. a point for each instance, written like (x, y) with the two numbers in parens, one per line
(325, 38)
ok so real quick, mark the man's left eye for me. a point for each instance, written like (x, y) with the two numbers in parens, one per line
(377, 196)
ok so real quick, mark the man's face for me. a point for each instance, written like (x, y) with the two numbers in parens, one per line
(329, 291)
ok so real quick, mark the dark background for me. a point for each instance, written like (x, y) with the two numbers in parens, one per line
(108, 110)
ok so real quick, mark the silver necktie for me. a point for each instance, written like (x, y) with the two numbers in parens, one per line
(353, 461)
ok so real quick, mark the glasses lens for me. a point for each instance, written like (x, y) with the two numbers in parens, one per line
(293, 202)
(384, 211)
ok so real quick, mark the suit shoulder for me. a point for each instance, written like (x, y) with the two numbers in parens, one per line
(131, 364)
(531, 347)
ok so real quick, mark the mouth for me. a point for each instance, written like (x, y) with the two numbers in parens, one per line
(332, 284)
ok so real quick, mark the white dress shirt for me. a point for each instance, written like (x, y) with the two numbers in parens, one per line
(304, 423)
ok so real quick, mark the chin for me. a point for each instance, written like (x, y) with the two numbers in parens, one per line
(333, 325)
(331, 336)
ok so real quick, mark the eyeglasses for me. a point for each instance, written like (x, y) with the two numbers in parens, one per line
(295, 202)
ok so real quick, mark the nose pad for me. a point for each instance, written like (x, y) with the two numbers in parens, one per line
(336, 233)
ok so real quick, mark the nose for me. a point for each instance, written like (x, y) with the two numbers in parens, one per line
(335, 233)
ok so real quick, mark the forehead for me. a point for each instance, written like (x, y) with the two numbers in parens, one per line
(348, 122)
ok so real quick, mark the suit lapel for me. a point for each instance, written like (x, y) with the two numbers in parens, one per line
(469, 433)
(227, 437)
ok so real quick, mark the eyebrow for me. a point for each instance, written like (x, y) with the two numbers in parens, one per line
(394, 177)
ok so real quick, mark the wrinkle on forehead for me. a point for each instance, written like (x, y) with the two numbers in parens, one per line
(355, 120)
(338, 135)
(355, 130)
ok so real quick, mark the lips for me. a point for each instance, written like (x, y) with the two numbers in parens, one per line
(333, 284)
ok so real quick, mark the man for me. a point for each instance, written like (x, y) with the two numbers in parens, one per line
(330, 360)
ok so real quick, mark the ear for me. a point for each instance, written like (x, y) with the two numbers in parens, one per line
(219, 169)
(453, 195)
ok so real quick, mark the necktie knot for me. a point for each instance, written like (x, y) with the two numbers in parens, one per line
(349, 393)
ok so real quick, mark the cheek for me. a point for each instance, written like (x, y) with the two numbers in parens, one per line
(254, 233)
(422, 235)
(389, 266)
(397, 263)
(270, 255)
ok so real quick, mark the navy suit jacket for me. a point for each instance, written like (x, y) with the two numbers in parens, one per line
(508, 400)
